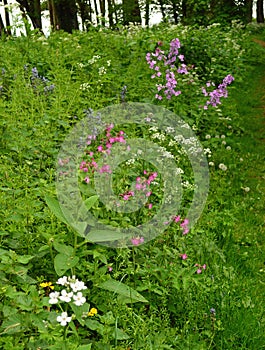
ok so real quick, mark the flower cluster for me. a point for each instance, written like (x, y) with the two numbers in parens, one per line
(200, 268)
(37, 80)
(218, 93)
(71, 293)
(184, 224)
(154, 60)
(104, 148)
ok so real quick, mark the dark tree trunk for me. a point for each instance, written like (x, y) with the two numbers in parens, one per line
(96, 11)
(162, 9)
(85, 11)
(147, 12)
(102, 5)
(65, 15)
(7, 30)
(2, 27)
(110, 13)
(131, 12)
(260, 11)
(249, 8)
(31, 8)
(175, 11)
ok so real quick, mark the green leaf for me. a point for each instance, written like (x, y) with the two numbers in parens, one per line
(64, 249)
(120, 335)
(95, 326)
(89, 202)
(24, 259)
(126, 293)
(104, 236)
(62, 263)
(84, 347)
(54, 206)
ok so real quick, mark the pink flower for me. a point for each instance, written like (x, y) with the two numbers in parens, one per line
(184, 256)
(148, 194)
(184, 223)
(150, 206)
(137, 240)
(110, 268)
(100, 148)
(204, 266)
(87, 180)
(176, 218)
(199, 271)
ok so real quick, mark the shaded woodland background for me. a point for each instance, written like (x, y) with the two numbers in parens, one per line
(69, 15)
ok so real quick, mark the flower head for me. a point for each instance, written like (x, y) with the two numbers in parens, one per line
(64, 319)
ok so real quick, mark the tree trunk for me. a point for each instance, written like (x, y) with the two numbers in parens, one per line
(85, 11)
(102, 5)
(131, 12)
(147, 12)
(110, 14)
(175, 11)
(162, 9)
(7, 30)
(2, 26)
(249, 8)
(66, 15)
(260, 11)
(31, 8)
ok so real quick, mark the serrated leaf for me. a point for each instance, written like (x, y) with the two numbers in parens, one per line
(126, 293)
(63, 263)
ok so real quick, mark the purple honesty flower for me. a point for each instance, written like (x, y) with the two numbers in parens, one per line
(218, 93)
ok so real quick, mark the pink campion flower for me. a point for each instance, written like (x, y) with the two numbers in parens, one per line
(199, 271)
(158, 97)
(110, 268)
(148, 194)
(145, 172)
(87, 180)
(150, 206)
(176, 218)
(184, 256)
(137, 240)
(184, 223)
(100, 148)
(204, 266)
(185, 231)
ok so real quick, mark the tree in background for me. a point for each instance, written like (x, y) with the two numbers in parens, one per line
(260, 11)
(131, 12)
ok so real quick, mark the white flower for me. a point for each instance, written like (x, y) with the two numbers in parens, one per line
(77, 286)
(64, 319)
(207, 137)
(246, 189)
(222, 136)
(63, 281)
(84, 86)
(223, 142)
(102, 70)
(211, 163)
(65, 296)
(54, 297)
(79, 299)
(228, 148)
(108, 63)
(222, 167)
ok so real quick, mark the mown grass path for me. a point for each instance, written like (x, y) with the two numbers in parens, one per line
(249, 248)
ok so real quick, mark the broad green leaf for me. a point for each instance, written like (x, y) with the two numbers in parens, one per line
(62, 263)
(84, 347)
(64, 249)
(54, 206)
(104, 235)
(89, 202)
(126, 294)
(24, 259)
(95, 326)
(120, 335)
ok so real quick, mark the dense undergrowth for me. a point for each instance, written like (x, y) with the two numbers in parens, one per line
(189, 288)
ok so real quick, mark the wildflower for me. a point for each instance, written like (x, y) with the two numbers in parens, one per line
(199, 271)
(79, 299)
(54, 297)
(222, 167)
(77, 286)
(63, 281)
(246, 189)
(87, 180)
(212, 311)
(92, 312)
(110, 268)
(47, 284)
(208, 137)
(211, 163)
(66, 296)
(64, 319)
(228, 148)
(150, 206)
(137, 240)
(184, 256)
